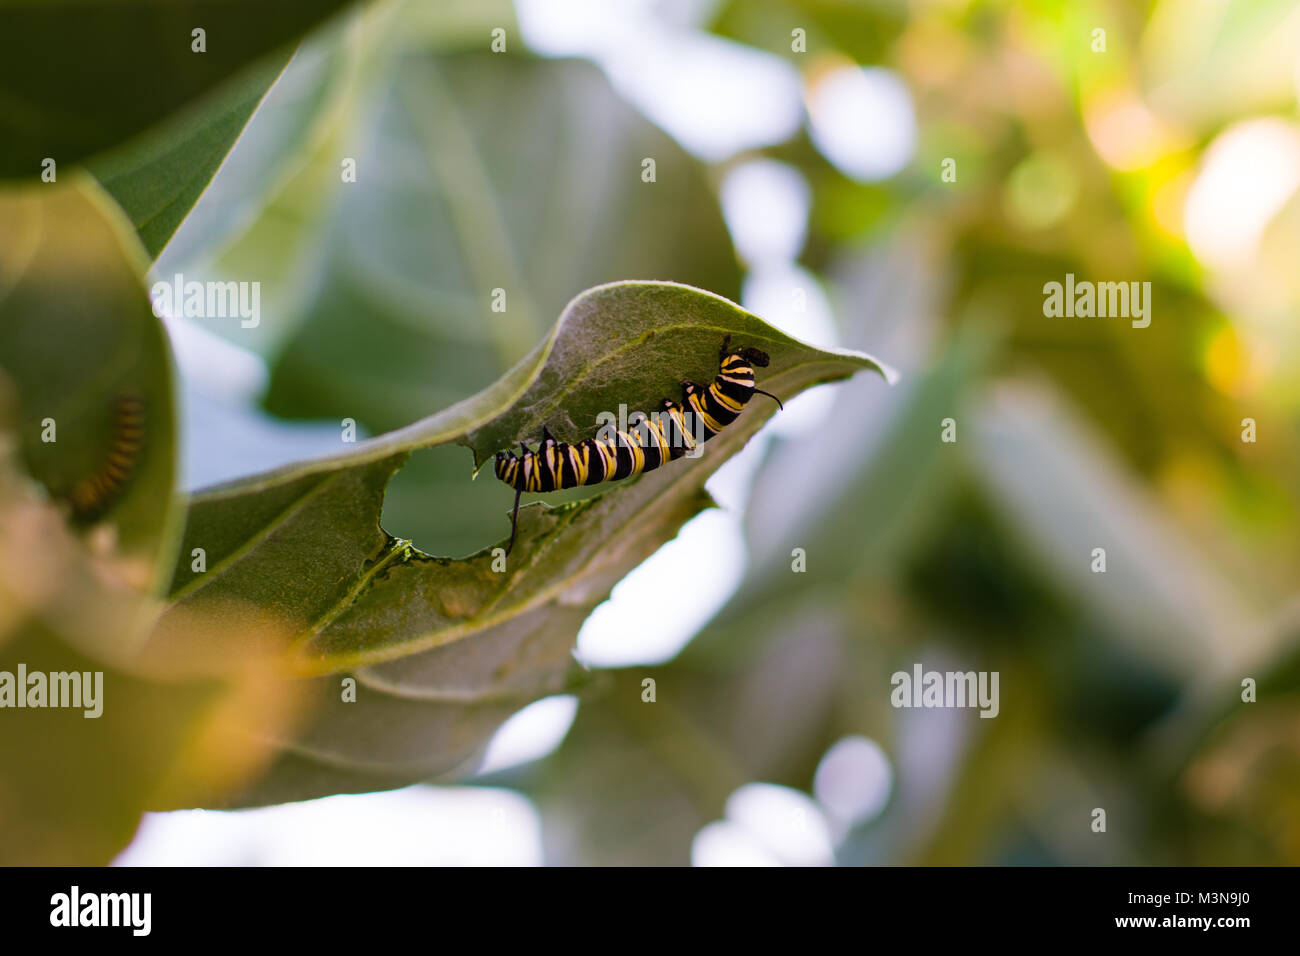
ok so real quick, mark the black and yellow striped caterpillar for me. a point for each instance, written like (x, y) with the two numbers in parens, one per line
(614, 454)
(91, 496)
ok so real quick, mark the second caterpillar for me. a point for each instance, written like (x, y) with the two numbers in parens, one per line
(614, 454)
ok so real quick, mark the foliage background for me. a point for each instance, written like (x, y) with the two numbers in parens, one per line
(1172, 156)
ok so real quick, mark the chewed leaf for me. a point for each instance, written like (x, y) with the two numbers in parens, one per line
(304, 544)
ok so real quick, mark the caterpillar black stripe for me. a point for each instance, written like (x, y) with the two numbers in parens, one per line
(91, 496)
(667, 436)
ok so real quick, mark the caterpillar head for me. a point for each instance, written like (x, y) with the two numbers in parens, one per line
(756, 357)
(501, 463)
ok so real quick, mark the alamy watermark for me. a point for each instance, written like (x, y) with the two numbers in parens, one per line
(208, 300)
(923, 688)
(75, 689)
(1128, 300)
(130, 910)
(610, 425)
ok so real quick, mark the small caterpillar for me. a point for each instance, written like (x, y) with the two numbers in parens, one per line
(644, 447)
(91, 496)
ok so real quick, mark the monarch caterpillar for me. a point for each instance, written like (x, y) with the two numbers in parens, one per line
(92, 495)
(665, 437)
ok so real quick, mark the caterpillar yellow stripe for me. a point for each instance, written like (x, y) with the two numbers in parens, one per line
(612, 455)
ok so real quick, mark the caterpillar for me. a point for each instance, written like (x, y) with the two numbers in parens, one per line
(91, 496)
(667, 436)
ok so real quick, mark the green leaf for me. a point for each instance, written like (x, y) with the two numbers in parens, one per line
(282, 229)
(157, 177)
(77, 78)
(304, 546)
(77, 333)
(300, 124)
(76, 589)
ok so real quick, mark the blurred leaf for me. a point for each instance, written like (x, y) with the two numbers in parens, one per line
(72, 348)
(276, 187)
(895, 461)
(1240, 785)
(304, 544)
(74, 780)
(449, 208)
(1232, 764)
(1207, 62)
(634, 780)
(76, 332)
(982, 801)
(863, 31)
(270, 213)
(79, 77)
(1065, 495)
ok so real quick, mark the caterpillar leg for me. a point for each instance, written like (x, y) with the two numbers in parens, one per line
(514, 520)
